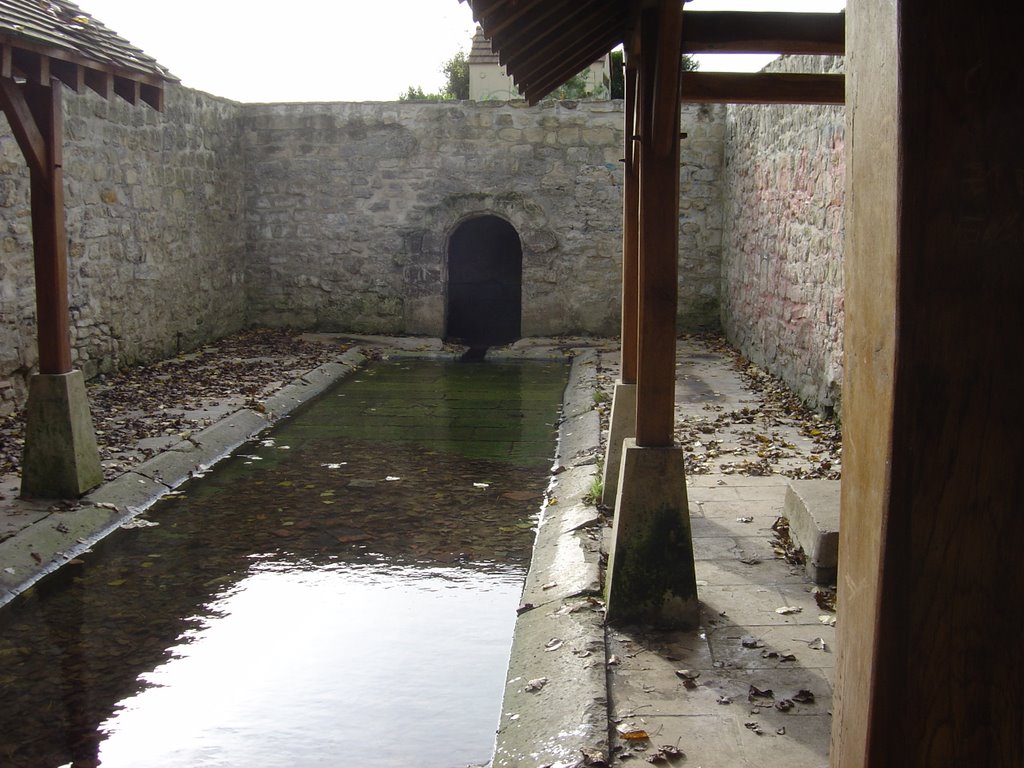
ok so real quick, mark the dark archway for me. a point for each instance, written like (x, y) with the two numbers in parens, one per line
(485, 278)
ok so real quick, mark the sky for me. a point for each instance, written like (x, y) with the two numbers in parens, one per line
(330, 50)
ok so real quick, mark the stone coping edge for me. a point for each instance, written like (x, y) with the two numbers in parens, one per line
(61, 535)
(556, 693)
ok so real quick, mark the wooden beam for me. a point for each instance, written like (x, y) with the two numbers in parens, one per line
(49, 241)
(6, 67)
(630, 232)
(659, 223)
(762, 88)
(23, 125)
(745, 32)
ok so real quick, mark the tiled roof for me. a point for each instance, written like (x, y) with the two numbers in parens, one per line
(481, 52)
(62, 30)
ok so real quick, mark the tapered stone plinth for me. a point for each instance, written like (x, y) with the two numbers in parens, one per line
(61, 459)
(622, 425)
(650, 577)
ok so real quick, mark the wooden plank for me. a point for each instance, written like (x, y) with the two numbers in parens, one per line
(762, 88)
(574, 63)
(745, 32)
(6, 69)
(545, 49)
(49, 241)
(659, 224)
(23, 125)
(537, 12)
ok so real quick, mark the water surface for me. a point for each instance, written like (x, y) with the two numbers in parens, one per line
(340, 592)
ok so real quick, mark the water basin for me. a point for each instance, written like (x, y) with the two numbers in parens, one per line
(340, 592)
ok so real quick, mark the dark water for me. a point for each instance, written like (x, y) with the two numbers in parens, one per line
(340, 593)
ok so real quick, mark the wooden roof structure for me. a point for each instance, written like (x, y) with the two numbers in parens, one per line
(44, 46)
(44, 38)
(543, 43)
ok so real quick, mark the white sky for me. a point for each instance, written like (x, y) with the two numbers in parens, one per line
(329, 50)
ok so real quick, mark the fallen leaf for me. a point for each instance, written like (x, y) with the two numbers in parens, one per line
(553, 644)
(632, 733)
(758, 693)
(818, 644)
(594, 757)
(536, 684)
(752, 642)
(804, 696)
(788, 610)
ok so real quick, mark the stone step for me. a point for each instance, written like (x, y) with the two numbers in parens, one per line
(812, 507)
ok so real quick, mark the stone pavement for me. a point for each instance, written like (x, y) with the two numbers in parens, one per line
(753, 685)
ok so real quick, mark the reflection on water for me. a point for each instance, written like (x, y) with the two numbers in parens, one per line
(340, 593)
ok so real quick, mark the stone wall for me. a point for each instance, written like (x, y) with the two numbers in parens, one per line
(155, 229)
(349, 208)
(187, 225)
(782, 289)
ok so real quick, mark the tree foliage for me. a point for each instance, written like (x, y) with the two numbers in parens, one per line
(456, 72)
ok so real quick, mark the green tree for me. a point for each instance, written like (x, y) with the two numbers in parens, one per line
(415, 93)
(456, 72)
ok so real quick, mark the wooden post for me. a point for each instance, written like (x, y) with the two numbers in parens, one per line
(650, 577)
(929, 665)
(622, 424)
(630, 229)
(661, 33)
(48, 236)
(61, 459)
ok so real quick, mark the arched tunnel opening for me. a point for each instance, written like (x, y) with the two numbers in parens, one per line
(485, 279)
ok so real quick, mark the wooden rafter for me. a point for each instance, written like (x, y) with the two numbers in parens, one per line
(762, 88)
(745, 32)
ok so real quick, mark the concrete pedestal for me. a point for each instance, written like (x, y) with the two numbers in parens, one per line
(61, 459)
(622, 425)
(650, 576)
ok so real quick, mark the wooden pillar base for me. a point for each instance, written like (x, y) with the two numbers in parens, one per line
(650, 576)
(621, 425)
(61, 459)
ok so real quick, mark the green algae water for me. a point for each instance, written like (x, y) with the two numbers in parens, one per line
(340, 592)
